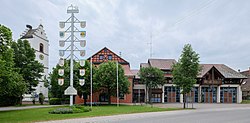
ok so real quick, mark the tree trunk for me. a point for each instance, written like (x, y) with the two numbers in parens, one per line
(184, 102)
(85, 99)
(109, 102)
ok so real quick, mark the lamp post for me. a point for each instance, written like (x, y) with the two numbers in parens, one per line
(117, 84)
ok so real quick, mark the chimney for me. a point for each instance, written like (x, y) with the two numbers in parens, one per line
(29, 26)
(239, 70)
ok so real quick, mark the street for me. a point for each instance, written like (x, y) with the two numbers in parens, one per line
(237, 114)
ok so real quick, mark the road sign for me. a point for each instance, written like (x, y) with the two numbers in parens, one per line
(83, 34)
(61, 72)
(60, 82)
(82, 63)
(61, 43)
(82, 53)
(81, 82)
(83, 24)
(70, 91)
(83, 43)
(61, 62)
(62, 24)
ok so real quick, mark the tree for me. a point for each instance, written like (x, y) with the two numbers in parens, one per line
(12, 85)
(84, 91)
(152, 77)
(106, 78)
(57, 91)
(186, 70)
(28, 67)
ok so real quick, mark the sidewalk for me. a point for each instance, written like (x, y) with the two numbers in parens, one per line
(25, 107)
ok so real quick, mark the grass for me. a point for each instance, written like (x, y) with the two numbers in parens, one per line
(245, 102)
(41, 114)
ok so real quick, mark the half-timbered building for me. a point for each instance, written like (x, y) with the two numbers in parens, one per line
(105, 55)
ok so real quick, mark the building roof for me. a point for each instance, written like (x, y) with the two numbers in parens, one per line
(144, 65)
(29, 32)
(246, 83)
(163, 64)
(166, 64)
(226, 71)
(105, 52)
(127, 70)
(135, 73)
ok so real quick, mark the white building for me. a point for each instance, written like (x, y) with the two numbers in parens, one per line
(38, 40)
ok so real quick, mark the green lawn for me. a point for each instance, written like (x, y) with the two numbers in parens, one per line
(41, 114)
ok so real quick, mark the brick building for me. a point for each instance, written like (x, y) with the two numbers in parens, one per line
(105, 55)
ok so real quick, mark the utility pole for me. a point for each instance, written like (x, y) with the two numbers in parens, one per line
(72, 29)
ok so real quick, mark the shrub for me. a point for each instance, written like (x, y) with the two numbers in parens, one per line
(41, 98)
(62, 111)
(55, 101)
(70, 110)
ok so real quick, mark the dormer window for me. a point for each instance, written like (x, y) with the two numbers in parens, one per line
(41, 47)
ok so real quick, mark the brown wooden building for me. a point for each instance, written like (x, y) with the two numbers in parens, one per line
(246, 85)
(216, 83)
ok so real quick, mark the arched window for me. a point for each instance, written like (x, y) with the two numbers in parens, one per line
(41, 47)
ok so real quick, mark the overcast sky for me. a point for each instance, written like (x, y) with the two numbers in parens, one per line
(219, 30)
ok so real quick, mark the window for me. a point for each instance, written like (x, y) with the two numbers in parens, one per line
(41, 47)
(101, 57)
(121, 96)
(109, 57)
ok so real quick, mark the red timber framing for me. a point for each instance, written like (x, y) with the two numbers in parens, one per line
(105, 55)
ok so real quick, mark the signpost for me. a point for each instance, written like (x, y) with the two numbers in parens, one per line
(72, 29)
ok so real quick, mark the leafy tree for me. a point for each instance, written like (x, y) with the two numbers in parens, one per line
(57, 91)
(152, 77)
(12, 85)
(29, 68)
(85, 89)
(186, 70)
(106, 77)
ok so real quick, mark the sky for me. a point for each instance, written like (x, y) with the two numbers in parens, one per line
(218, 30)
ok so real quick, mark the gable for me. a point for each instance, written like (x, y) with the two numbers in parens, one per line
(105, 55)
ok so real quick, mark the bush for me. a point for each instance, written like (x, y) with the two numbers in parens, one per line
(55, 101)
(41, 98)
(71, 110)
(10, 100)
(62, 111)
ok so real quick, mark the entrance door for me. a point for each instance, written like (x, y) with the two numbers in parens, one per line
(171, 94)
(194, 94)
(209, 94)
(228, 95)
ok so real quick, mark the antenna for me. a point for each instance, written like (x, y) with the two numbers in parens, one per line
(41, 21)
(151, 44)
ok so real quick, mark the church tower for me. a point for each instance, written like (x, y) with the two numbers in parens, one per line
(39, 41)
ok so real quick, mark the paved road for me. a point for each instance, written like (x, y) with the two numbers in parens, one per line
(213, 115)
(24, 107)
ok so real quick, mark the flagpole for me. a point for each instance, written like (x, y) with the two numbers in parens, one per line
(91, 83)
(117, 84)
